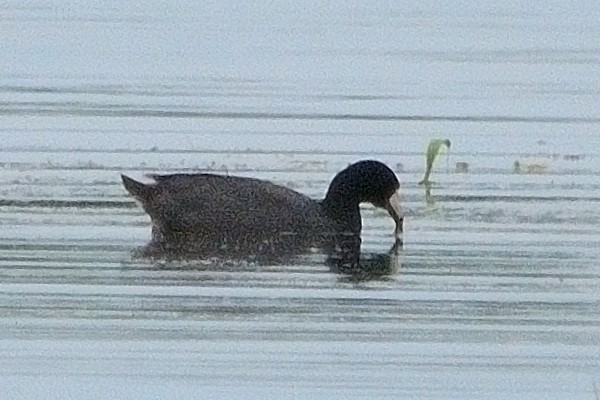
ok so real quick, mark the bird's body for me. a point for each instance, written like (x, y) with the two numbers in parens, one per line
(248, 214)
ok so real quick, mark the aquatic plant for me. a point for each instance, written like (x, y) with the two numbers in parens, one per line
(433, 150)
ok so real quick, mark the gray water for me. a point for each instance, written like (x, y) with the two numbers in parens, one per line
(495, 294)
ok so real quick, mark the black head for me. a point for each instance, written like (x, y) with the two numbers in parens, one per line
(366, 181)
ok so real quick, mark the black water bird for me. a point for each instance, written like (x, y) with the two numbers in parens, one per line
(212, 215)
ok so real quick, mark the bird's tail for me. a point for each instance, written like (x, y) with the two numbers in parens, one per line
(137, 189)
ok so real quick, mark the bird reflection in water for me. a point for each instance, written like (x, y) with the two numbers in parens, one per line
(360, 267)
(346, 260)
(370, 266)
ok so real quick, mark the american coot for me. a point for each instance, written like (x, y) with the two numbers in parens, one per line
(207, 214)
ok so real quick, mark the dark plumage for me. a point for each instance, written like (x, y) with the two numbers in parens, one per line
(206, 214)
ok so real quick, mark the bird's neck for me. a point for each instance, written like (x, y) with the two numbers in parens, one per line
(344, 211)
